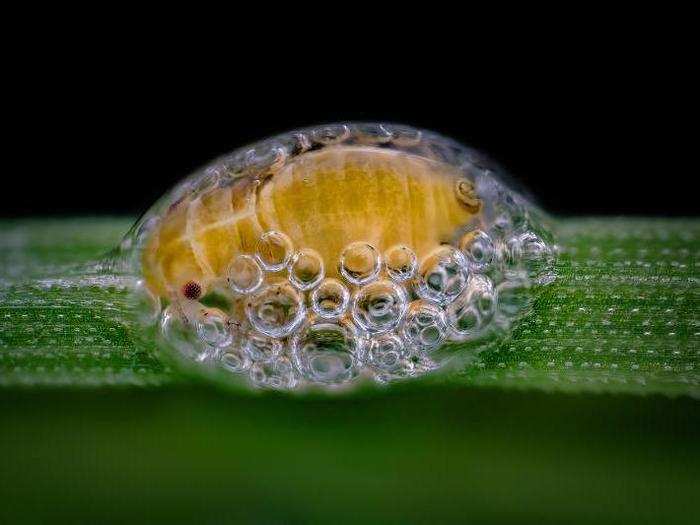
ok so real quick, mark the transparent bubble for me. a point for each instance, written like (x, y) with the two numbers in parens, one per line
(378, 307)
(470, 314)
(334, 252)
(442, 275)
(535, 256)
(274, 251)
(401, 263)
(514, 297)
(277, 374)
(478, 250)
(262, 348)
(387, 353)
(213, 328)
(276, 310)
(360, 263)
(180, 335)
(424, 326)
(306, 269)
(244, 274)
(327, 352)
(330, 299)
(235, 359)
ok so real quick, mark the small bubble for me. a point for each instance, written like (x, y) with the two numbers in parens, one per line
(244, 274)
(176, 330)
(327, 351)
(263, 348)
(442, 275)
(235, 359)
(387, 353)
(277, 374)
(478, 250)
(276, 310)
(274, 251)
(514, 297)
(425, 325)
(330, 299)
(401, 263)
(306, 269)
(213, 328)
(473, 310)
(378, 307)
(360, 263)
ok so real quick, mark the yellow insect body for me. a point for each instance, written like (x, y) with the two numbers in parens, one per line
(324, 201)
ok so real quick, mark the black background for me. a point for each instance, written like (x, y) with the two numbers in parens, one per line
(597, 132)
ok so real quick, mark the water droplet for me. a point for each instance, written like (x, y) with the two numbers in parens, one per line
(306, 269)
(276, 310)
(378, 307)
(330, 299)
(425, 326)
(442, 275)
(327, 351)
(401, 263)
(244, 274)
(360, 263)
(274, 251)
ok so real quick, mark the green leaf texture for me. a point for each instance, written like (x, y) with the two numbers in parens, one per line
(622, 315)
(95, 429)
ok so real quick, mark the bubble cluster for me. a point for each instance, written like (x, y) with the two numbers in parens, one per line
(330, 254)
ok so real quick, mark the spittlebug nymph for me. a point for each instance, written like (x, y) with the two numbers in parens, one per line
(341, 251)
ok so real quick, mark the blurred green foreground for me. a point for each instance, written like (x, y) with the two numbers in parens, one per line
(588, 414)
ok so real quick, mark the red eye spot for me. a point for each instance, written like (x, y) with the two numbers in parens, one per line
(192, 290)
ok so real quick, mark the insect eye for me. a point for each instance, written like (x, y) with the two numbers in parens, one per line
(343, 251)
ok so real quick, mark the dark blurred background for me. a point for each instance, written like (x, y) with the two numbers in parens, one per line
(590, 129)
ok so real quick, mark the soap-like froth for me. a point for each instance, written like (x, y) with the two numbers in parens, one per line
(338, 252)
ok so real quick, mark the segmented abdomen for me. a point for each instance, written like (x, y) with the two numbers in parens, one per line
(322, 200)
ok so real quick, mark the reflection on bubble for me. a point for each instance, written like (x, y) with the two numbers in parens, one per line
(425, 326)
(327, 352)
(330, 299)
(360, 263)
(306, 269)
(401, 262)
(442, 275)
(274, 250)
(276, 311)
(378, 307)
(244, 274)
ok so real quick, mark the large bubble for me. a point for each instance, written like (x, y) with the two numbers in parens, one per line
(331, 254)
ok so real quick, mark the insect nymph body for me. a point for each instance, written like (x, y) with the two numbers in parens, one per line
(337, 250)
